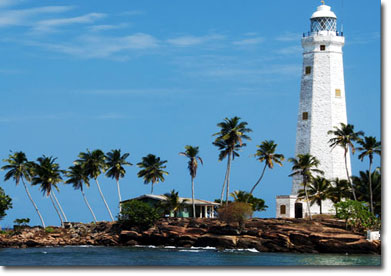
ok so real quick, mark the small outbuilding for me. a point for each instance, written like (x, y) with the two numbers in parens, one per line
(204, 208)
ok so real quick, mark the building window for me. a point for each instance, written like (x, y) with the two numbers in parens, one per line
(338, 92)
(322, 47)
(282, 210)
(305, 116)
(308, 70)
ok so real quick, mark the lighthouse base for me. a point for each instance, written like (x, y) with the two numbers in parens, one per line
(291, 207)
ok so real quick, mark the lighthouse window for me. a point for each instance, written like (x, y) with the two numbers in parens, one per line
(282, 210)
(338, 92)
(308, 70)
(322, 47)
(305, 116)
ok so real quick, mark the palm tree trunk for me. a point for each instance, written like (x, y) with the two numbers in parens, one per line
(347, 175)
(103, 198)
(259, 180)
(88, 205)
(229, 171)
(119, 195)
(35, 206)
(59, 205)
(151, 188)
(306, 198)
(225, 181)
(370, 186)
(192, 196)
(320, 206)
(58, 213)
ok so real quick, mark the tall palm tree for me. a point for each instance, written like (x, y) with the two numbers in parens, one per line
(18, 168)
(344, 136)
(47, 174)
(369, 147)
(77, 177)
(266, 153)
(192, 153)
(318, 190)
(360, 183)
(305, 165)
(152, 170)
(172, 203)
(94, 164)
(229, 140)
(115, 163)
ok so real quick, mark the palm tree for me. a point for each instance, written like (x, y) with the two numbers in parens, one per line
(47, 174)
(360, 183)
(192, 153)
(344, 137)
(115, 162)
(172, 203)
(369, 147)
(305, 165)
(266, 153)
(19, 169)
(318, 190)
(152, 170)
(339, 190)
(229, 140)
(93, 163)
(77, 177)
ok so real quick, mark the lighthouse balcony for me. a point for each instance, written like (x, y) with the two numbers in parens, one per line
(323, 33)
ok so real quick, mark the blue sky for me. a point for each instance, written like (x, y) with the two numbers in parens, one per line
(154, 76)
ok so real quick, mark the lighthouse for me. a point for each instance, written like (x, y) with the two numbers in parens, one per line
(322, 106)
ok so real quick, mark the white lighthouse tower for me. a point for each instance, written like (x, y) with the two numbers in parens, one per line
(322, 106)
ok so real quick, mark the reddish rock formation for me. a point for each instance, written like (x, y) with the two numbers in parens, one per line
(265, 235)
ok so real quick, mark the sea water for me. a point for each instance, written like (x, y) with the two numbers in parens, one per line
(171, 256)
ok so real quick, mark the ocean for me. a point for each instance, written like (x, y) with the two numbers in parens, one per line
(171, 256)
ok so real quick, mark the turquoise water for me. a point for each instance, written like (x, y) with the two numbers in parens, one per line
(151, 256)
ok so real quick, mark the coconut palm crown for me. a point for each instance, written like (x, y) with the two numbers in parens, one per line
(152, 170)
(266, 153)
(318, 190)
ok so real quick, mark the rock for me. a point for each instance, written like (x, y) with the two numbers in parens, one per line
(224, 230)
(223, 241)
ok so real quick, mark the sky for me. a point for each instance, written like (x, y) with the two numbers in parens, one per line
(154, 76)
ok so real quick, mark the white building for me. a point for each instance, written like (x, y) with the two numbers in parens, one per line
(322, 106)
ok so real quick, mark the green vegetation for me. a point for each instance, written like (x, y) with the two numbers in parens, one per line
(172, 204)
(257, 204)
(229, 141)
(192, 153)
(49, 230)
(22, 221)
(318, 190)
(152, 170)
(357, 215)
(237, 212)
(138, 214)
(5, 203)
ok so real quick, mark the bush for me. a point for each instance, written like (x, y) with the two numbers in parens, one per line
(235, 212)
(5, 203)
(136, 213)
(357, 215)
(49, 229)
(22, 221)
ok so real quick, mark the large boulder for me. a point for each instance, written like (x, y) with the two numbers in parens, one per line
(223, 241)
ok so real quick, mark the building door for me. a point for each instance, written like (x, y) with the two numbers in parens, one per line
(298, 210)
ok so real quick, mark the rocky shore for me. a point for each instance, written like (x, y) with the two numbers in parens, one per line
(265, 235)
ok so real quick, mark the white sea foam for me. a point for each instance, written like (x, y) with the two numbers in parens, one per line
(206, 247)
(241, 250)
(190, 250)
(169, 246)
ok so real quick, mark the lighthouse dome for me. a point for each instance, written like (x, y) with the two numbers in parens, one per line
(323, 11)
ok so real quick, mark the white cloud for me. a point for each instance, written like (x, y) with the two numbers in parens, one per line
(189, 40)
(99, 28)
(50, 24)
(7, 3)
(289, 37)
(101, 46)
(24, 17)
(290, 50)
(249, 41)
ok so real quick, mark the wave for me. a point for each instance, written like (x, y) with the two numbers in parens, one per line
(253, 250)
